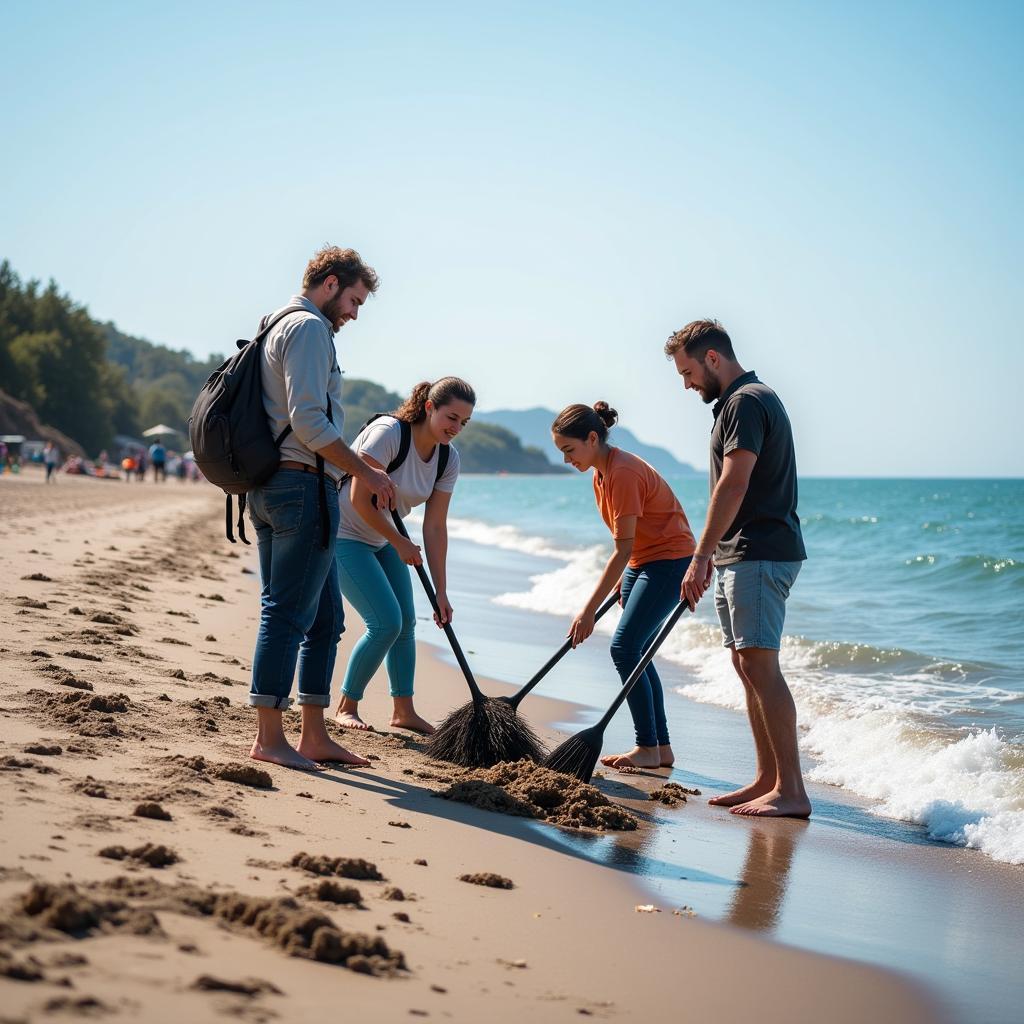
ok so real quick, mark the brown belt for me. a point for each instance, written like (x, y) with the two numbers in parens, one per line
(304, 468)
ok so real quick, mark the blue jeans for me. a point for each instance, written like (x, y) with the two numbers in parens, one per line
(376, 582)
(301, 615)
(649, 593)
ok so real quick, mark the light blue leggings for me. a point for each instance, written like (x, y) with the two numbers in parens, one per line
(376, 583)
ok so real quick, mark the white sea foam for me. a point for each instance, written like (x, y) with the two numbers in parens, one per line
(505, 537)
(861, 711)
(870, 737)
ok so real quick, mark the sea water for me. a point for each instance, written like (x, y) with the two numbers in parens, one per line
(904, 642)
(904, 649)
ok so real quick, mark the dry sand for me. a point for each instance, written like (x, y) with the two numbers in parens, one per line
(149, 871)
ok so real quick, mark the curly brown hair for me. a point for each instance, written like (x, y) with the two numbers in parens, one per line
(698, 338)
(345, 264)
(442, 392)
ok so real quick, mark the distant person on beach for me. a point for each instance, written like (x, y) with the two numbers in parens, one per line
(128, 466)
(158, 456)
(653, 545)
(753, 547)
(296, 518)
(51, 459)
(373, 556)
(140, 466)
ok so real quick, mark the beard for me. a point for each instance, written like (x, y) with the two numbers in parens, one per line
(332, 310)
(711, 389)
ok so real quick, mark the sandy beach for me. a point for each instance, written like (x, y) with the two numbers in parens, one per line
(150, 871)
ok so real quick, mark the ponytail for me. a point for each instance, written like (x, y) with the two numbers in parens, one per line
(441, 392)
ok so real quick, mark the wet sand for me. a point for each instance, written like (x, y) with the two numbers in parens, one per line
(149, 870)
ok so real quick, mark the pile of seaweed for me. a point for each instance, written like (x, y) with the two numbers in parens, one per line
(527, 790)
(126, 904)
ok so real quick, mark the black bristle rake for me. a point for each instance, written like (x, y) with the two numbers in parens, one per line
(517, 698)
(484, 731)
(578, 755)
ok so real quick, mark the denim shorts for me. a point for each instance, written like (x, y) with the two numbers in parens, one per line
(750, 598)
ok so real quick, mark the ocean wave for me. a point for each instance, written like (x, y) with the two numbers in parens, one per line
(871, 717)
(872, 736)
(968, 568)
(503, 536)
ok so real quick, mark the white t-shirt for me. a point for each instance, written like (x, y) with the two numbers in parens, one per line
(413, 480)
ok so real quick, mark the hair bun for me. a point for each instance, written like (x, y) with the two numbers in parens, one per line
(607, 413)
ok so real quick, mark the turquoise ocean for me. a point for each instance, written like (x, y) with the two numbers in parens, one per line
(904, 650)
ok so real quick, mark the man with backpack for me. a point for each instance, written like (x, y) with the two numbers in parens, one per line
(295, 511)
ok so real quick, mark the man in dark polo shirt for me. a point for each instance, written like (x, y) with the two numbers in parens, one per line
(753, 547)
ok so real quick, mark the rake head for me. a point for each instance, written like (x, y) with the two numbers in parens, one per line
(484, 733)
(578, 755)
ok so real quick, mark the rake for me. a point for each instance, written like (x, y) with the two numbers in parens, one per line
(517, 698)
(484, 731)
(578, 755)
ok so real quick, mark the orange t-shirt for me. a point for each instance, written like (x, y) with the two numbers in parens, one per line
(630, 487)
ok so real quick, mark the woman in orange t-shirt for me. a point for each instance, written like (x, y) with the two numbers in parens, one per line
(653, 547)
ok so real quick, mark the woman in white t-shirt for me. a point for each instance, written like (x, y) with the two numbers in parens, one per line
(372, 556)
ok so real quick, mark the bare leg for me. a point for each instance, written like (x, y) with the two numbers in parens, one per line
(316, 744)
(787, 798)
(347, 715)
(764, 774)
(404, 717)
(638, 757)
(271, 745)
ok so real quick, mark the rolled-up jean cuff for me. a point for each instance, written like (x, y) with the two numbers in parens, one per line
(315, 700)
(262, 700)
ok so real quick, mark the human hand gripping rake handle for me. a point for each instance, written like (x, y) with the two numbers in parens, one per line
(555, 658)
(578, 755)
(448, 631)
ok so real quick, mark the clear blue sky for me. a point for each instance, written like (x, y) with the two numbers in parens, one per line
(549, 190)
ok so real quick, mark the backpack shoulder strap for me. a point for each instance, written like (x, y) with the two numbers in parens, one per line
(405, 440)
(403, 446)
(442, 461)
(268, 322)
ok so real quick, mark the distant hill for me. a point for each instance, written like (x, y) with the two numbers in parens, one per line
(533, 426)
(483, 447)
(17, 417)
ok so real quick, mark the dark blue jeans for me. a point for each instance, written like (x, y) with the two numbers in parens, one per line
(301, 616)
(649, 593)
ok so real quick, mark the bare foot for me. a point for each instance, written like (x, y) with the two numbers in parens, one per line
(347, 715)
(325, 749)
(283, 755)
(775, 805)
(412, 722)
(756, 789)
(638, 757)
(667, 757)
(351, 720)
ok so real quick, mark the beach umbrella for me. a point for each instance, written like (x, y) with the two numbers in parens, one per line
(484, 731)
(159, 429)
(578, 755)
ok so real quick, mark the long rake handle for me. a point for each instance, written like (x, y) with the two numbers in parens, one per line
(558, 655)
(645, 659)
(448, 631)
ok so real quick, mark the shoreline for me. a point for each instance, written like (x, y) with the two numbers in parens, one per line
(157, 562)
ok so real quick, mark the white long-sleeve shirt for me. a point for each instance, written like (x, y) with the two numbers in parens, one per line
(300, 369)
